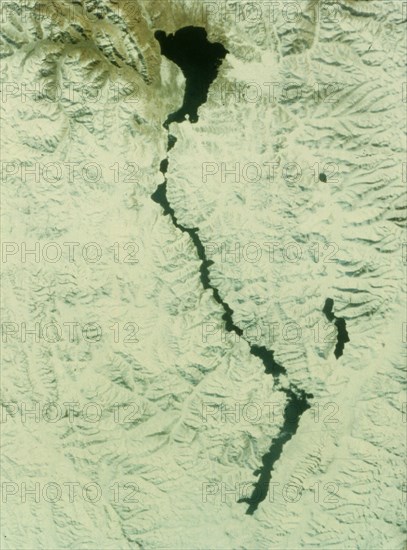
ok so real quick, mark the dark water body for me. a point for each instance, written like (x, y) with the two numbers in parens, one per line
(296, 405)
(340, 323)
(199, 60)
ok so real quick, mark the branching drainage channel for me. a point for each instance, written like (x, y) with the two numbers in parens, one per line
(199, 61)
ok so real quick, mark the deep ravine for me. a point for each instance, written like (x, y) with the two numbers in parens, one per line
(199, 60)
